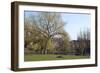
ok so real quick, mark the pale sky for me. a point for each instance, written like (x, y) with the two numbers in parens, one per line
(76, 23)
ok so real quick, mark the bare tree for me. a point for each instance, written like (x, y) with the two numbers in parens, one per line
(84, 41)
(49, 24)
(44, 26)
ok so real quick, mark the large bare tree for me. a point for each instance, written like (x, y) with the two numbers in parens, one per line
(44, 26)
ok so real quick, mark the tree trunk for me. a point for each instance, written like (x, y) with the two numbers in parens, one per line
(45, 46)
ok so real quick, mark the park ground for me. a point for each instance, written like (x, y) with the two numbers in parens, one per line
(39, 57)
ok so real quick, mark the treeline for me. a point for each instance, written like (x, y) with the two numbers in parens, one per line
(82, 45)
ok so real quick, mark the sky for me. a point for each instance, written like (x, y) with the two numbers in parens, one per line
(75, 22)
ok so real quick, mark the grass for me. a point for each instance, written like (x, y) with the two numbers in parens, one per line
(39, 57)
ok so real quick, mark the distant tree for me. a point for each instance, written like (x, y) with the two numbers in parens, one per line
(84, 41)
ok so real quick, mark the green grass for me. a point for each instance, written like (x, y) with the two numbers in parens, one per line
(39, 57)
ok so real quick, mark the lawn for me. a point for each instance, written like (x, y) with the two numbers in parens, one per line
(39, 57)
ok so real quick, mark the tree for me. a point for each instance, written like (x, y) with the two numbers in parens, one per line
(31, 34)
(44, 26)
(84, 42)
(27, 35)
(65, 47)
(48, 25)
